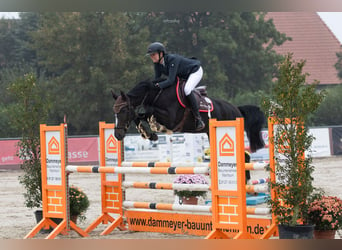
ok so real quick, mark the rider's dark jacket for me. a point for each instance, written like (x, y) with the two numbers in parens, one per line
(175, 65)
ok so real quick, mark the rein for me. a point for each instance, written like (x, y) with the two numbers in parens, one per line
(140, 110)
(142, 102)
(156, 97)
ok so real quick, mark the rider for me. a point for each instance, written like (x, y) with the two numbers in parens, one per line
(173, 65)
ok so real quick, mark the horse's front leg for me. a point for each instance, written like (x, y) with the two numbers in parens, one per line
(157, 127)
(144, 130)
(165, 121)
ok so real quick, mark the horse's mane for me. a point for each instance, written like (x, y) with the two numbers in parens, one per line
(143, 87)
(140, 89)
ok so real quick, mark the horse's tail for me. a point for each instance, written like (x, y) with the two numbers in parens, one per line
(254, 120)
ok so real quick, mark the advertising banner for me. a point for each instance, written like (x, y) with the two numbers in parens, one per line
(80, 150)
(83, 149)
(8, 150)
(321, 144)
(336, 134)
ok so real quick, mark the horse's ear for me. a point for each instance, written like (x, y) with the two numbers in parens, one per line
(115, 96)
(123, 95)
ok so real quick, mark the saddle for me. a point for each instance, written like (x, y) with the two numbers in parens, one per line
(203, 101)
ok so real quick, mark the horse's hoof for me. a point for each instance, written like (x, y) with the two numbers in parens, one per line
(153, 137)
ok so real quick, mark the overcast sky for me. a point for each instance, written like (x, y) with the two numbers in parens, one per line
(332, 19)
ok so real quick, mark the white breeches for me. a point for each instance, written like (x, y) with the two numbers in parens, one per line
(193, 80)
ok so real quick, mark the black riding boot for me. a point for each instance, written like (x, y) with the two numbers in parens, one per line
(194, 108)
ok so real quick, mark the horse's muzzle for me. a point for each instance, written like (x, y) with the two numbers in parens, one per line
(119, 133)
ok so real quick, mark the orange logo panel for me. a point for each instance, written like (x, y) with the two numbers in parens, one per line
(226, 146)
(53, 146)
(111, 145)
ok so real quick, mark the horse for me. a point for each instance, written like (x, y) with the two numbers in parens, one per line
(164, 112)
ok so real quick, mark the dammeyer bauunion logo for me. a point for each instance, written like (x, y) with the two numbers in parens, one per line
(226, 146)
(111, 145)
(53, 146)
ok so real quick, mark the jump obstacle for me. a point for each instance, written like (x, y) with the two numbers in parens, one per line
(226, 218)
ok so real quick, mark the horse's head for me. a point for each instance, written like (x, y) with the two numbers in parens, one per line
(124, 114)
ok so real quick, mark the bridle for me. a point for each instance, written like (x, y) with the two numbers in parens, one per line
(131, 114)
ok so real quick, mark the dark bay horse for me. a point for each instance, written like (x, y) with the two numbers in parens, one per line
(162, 110)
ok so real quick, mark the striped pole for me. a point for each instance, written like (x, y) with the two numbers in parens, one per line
(142, 170)
(188, 187)
(258, 210)
(188, 208)
(169, 186)
(165, 164)
(257, 166)
(179, 166)
(257, 189)
(154, 185)
(166, 206)
(259, 181)
(262, 165)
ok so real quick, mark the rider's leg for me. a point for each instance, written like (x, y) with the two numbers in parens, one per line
(191, 83)
(194, 108)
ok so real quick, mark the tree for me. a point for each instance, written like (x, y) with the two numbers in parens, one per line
(86, 55)
(329, 112)
(27, 24)
(290, 104)
(15, 40)
(27, 112)
(8, 75)
(16, 59)
(8, 42)
(338, 65)
(235, 48)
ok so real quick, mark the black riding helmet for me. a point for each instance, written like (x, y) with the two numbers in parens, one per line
(156, 47)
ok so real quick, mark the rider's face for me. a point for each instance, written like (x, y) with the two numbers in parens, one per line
(154, 57)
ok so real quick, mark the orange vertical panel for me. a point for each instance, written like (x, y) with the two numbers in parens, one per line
(228, 209)
(229, 214)
(106, 185)
(213, 166)
(223, 200)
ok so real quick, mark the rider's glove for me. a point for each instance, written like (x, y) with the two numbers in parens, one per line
(157, 85)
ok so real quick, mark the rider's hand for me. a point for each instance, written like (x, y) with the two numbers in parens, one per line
(157, 85)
